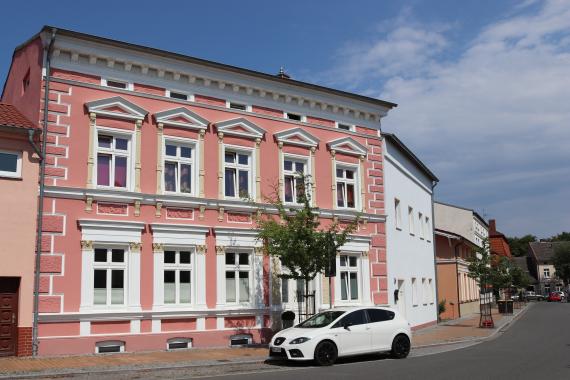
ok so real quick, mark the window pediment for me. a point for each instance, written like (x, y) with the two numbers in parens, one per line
(297, 136)
(348, 145)
(181, 117)
(240, 127)
(116, 107)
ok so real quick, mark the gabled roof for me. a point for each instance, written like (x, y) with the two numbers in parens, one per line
(543, 251)
(181, 117)
(116, 107)
(240, 127)
(296, 136)
(348, 145)
(11, 117)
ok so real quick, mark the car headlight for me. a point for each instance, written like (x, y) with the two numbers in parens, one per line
(299, 340)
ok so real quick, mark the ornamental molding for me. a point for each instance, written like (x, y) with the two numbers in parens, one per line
(240, 127)
(347, 145)
(157, 247)
(298, 137)
(201, 249)
(116, 107)
(220, 250)
(181, 117)
(86, 245)
(135, 247)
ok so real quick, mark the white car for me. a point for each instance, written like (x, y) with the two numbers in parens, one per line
(344, 332)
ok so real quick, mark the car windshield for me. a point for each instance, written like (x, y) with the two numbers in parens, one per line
(320, 320)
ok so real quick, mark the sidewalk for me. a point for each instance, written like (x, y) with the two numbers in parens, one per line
(460, 330)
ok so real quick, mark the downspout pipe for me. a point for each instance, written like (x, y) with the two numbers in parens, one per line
(47, 64)
(31, 134)
(434, 184)
(457, 278)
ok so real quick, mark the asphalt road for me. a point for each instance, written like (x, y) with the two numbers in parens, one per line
(536, 347)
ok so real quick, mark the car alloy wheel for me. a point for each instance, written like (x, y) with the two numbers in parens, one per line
(325, 353)
(400, 346)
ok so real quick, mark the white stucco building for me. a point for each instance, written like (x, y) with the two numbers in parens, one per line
(411, 276)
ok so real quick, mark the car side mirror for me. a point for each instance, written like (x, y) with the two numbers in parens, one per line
(346, 325)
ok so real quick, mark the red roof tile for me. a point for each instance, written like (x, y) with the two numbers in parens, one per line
(11, 117)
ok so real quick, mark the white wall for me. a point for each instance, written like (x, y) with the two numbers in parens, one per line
(409, 256)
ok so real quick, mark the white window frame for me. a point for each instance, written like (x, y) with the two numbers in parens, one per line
(303, 117)
(18, 172)
(431, 291)
(109, 343)
(295, 158)
(355, 181)
(427, 229)
(109, 266)
(425, 291)
(349, 269)
(398, 214)
(546, 272)
(415, 291)
(250, 167)
(236, 268)
(129, 85)
(190, 97)
(351, 127)
(177, 267)
(246, 105)
(194, 162)
(411, 223)
(129, 136)
(421, 226)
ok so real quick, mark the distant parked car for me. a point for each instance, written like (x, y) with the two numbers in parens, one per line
(532, 296)
(556, 297)
(344, 332)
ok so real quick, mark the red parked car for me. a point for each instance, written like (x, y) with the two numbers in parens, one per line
(556, 297)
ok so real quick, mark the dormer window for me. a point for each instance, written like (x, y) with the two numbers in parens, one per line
(116, 84)
(237, 106)
(293, 116)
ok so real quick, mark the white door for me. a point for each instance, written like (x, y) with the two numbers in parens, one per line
(353, 334)
(382, 328)
(401, 298)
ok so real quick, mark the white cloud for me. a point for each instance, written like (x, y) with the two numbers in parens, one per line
(493, 123)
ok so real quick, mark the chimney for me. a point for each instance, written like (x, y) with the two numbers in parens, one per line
(282, 74)
(492, 226)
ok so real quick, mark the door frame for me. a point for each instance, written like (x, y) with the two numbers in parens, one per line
(12, 283)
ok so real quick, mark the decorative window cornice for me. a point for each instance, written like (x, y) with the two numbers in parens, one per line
(296, 136)
(240, 127)
(181, 117)
(116, 107)
(347, 145)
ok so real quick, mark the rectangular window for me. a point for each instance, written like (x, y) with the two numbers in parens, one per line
(427, 229)
(10, 164)
(421, 226)
(414, 292)
(237, 106)
(115, 83)
(237, 174)
(293, 116)
(546, 272)
(346, 187)
(178, 95)
(285, 290)
(431, 291)
(425, 291)
(349, 278)
(113, 157)
(238, 276)
(179, 167)
(345, 127)
(397, 214)
(411, 221)
(293, 185)
(177, 277)
(109, 268)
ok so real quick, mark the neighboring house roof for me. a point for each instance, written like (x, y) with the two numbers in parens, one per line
(408, 153)
(467, 209)
(204, 62)
(543, 251)
(12, 118)
(452, 235)
(522, 263)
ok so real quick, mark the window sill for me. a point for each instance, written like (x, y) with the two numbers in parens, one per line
(399, 228)
(12, 177)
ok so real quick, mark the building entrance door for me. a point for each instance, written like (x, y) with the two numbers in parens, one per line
(8, 315)
(401, 298)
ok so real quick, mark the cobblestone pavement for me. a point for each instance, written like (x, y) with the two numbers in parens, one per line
(207, 362)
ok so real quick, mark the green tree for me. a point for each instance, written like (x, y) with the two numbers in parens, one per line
(563, 236)
(480, 265)
(295, 236)
(562, 261)
(501, 275)
(519, 246)
(521, 279)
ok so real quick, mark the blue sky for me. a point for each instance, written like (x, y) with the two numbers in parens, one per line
(482, 86)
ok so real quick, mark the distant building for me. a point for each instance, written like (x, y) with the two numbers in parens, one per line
(409, 233)
(498, 242)
(541, 255)
(19, 165)
(458, 232)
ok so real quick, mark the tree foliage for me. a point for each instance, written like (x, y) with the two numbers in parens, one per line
(519, 245)
(562, 261)
(563, 236)
(296, 237)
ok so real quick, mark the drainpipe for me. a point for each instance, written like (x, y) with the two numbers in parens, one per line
(31, 133)
(434, 184)
(46, 65)
(457, 278)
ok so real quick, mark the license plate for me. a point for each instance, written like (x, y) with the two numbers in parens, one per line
(275, 349)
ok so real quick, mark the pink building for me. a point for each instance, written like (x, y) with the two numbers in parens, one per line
(19, 163)
(156, 164)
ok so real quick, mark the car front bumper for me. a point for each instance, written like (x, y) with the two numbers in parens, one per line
(303, 351)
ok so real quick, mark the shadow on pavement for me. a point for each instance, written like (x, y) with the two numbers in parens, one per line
(310, 363)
